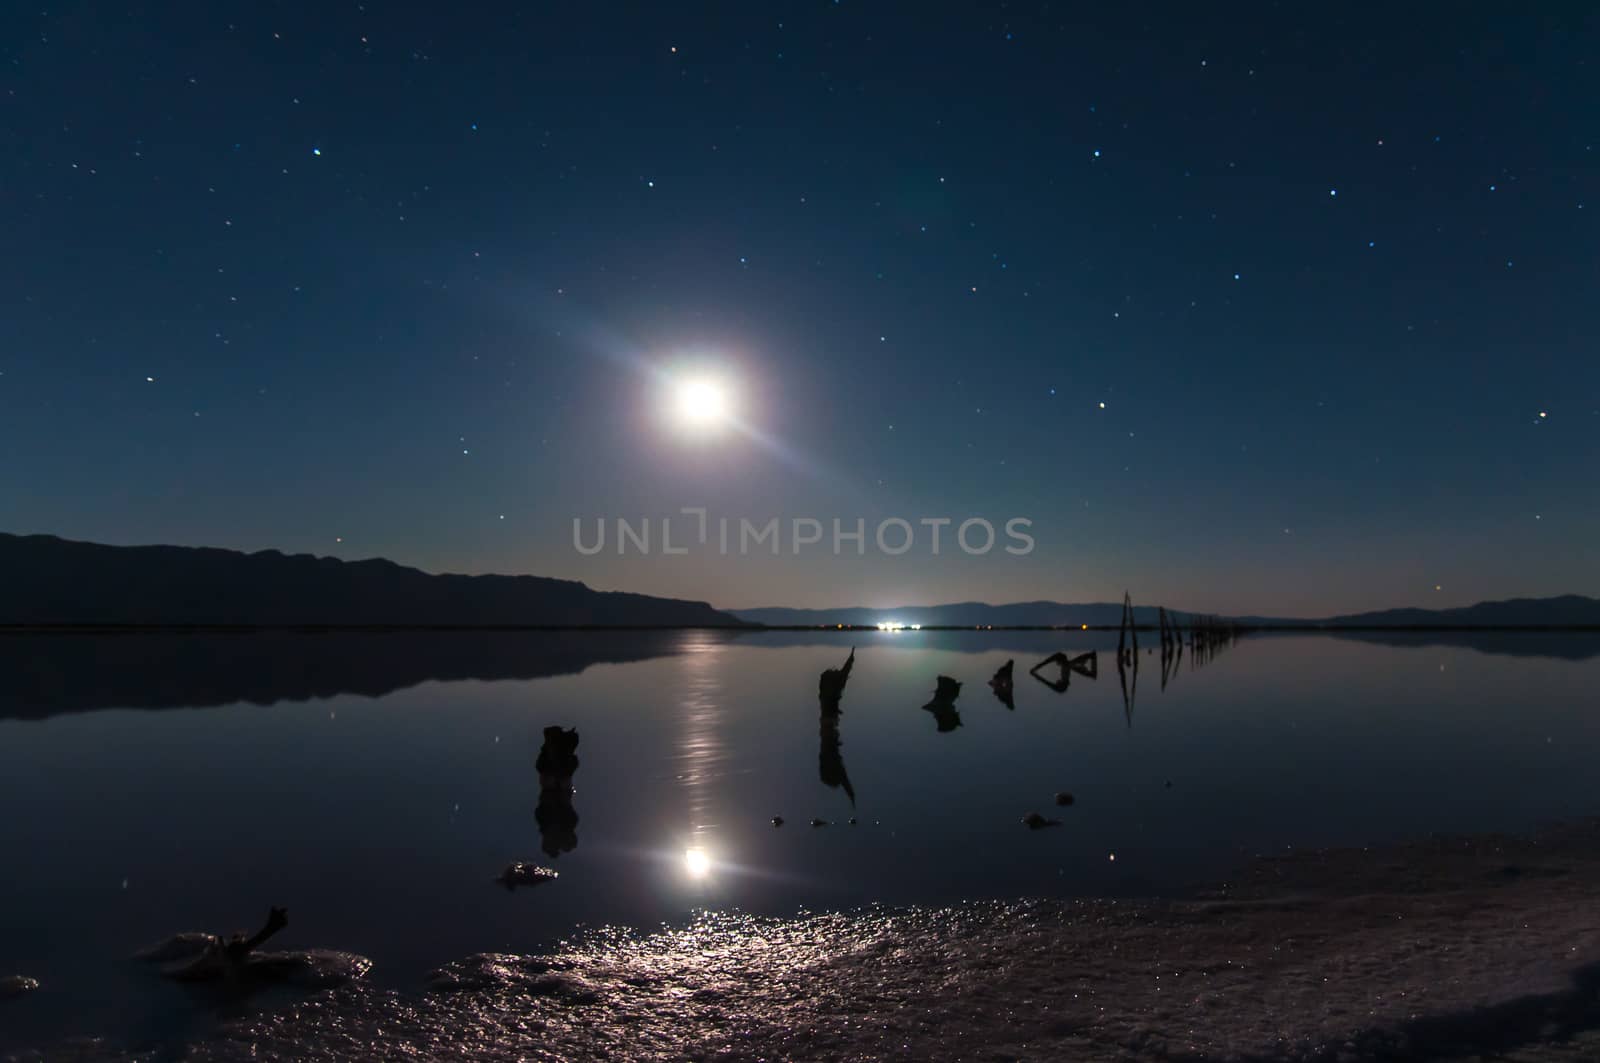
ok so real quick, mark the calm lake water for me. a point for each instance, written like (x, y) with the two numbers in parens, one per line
(377, 783)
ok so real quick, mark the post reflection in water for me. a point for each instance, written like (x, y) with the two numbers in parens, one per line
(557, 819)
(830, 757)
(308, 806)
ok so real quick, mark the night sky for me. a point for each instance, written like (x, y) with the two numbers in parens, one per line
(1287, 310)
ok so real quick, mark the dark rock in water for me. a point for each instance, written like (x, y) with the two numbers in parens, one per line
(178, 947)
(1001, 684)
(819, 823)
(203, 957)
(777, 821)
(1169, 784)
(520, 874)
(17, 985)
(852, 821)
(943, 705)
(557, 763)
(1002, 676)
(944, 715)
(306, 969)
(558, 757)
(1038, 822)
(238, 963)
(1064, 798)
(558, 822)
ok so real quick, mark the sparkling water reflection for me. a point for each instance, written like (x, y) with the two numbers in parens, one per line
(376, 784)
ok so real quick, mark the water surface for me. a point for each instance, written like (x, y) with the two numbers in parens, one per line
(375, 784)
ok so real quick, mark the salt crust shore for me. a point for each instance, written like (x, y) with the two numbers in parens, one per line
(1453, 949)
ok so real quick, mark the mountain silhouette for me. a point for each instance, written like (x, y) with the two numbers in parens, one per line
(1567, 610)
(1570, 610)
(955, 614)
(53, 581)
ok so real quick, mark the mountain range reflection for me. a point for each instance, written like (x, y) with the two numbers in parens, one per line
(50, 674)
(46, 674)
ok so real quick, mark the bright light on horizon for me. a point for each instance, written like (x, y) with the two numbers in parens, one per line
(696, 862)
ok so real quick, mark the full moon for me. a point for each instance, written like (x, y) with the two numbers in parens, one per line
(701, 404)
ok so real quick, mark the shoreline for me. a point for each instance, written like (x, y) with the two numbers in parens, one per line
(314, 628)
(1446, 949)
